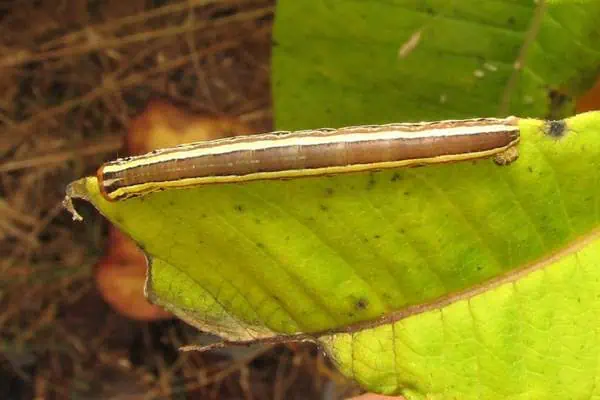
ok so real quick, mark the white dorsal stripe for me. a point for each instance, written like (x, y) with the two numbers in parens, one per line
(306, 140)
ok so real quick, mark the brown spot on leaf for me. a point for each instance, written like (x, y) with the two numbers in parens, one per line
(362, 304)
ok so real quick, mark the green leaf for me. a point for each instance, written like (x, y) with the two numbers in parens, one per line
(342, 66)
(337, 62)
(314, 254)
(529, 335)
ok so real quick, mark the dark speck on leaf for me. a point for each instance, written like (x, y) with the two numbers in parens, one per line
(395, 177)
(204, 215)
(323, 207)
(406, 193)
(556, 129)
(530, 169)
(362, 304)
(239, 208)
(260, 245)
(329, 191)
(511, 20)
(377, 236)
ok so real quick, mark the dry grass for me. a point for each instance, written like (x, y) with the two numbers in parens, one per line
(72, 74)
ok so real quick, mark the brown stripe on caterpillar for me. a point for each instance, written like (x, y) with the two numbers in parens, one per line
(308, 153)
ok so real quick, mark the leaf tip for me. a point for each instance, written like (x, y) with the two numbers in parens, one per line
(75, 190)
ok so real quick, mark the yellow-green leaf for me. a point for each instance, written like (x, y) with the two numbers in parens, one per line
(257, 259)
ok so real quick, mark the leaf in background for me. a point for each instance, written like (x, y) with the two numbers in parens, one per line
(338, 62)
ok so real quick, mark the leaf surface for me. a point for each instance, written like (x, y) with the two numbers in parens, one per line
(531, 335)
(315, 254)
(358, 62)
(343, 64)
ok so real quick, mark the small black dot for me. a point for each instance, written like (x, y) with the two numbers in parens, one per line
(377, 236)
(396, 177)
(239, 208)
(323, 207)
(361, 304)
(556, 129)
(329, 191)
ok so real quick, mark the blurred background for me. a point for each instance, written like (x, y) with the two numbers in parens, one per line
(82, 82)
